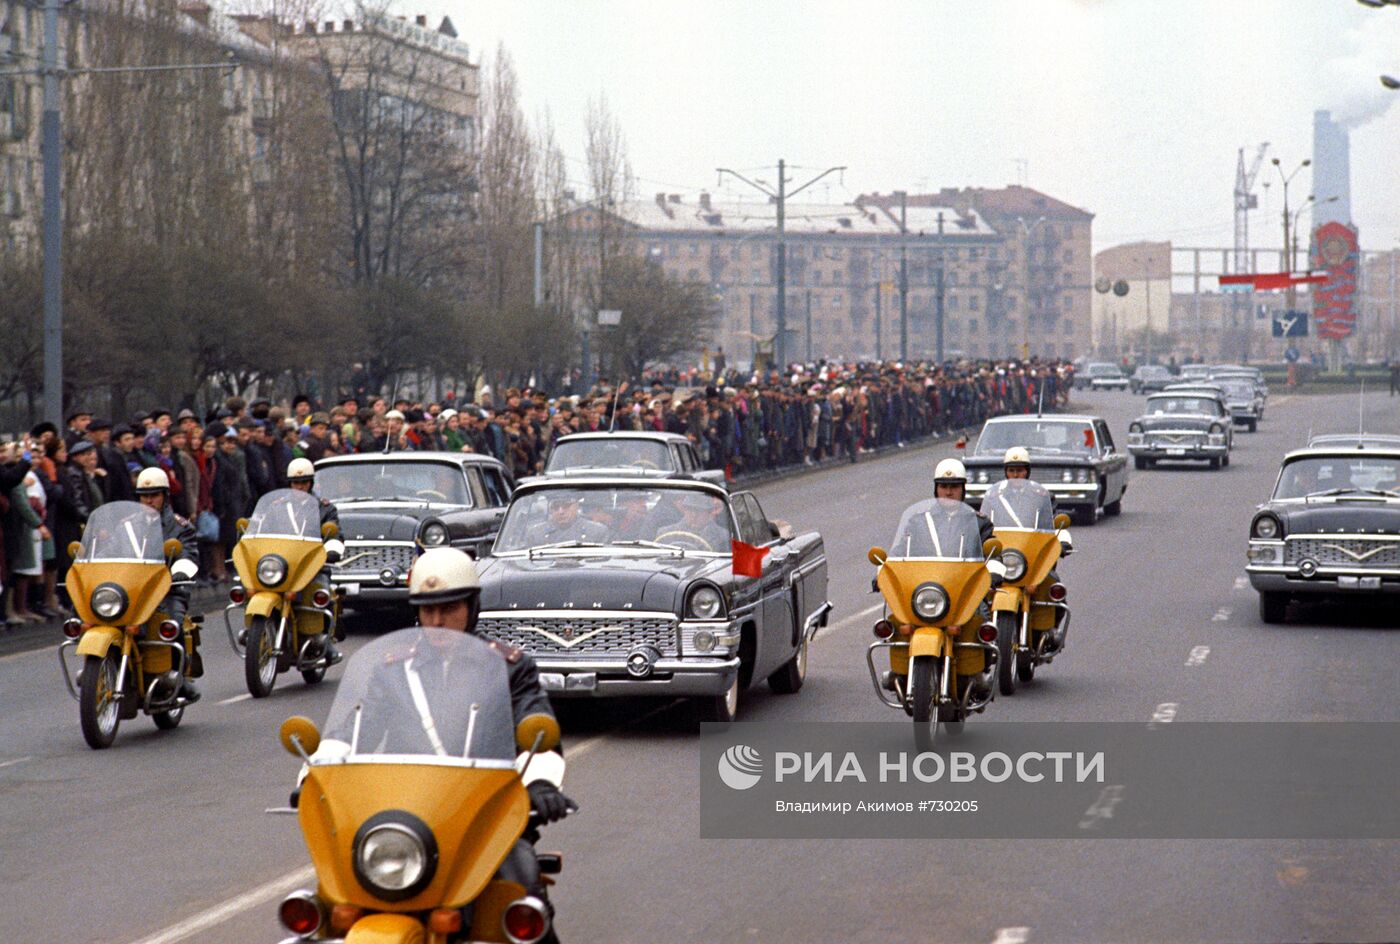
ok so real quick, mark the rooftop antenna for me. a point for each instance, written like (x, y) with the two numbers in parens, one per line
(1040, 402)
(1361, 409)
(391, 406)
(612, 423)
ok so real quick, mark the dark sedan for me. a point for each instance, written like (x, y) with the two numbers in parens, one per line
(624, 587)
(1331, 528)
(390, 504)
(1071, 455)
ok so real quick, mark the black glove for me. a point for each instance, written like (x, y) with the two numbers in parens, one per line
(548, 803)
(332, 557)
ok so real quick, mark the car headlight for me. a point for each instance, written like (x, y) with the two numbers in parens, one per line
(395, 855)
(1266, 527)
(1015, 563)
(1067, 475)
(930, 601)
(272, 570)
(108, 601)
(434, 534)
(1134, 429)
(705, 604)
(1082, 476)
(1217, 430)
(1266, 554)
(983, 476)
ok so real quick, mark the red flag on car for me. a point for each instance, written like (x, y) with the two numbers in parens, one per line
(748, 560)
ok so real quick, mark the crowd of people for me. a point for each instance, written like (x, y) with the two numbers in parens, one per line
(221, 463)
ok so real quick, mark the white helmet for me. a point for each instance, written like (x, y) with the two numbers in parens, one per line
(300, 469)
(151, 481)
(442, 575)
(1017, 455)
(950, 472)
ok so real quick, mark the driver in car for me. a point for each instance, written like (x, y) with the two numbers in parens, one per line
(632, 521)
(700, 516)
(564, 523)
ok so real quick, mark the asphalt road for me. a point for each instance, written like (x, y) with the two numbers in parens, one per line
(163, 838)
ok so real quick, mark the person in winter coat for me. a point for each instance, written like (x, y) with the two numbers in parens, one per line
(79, 495)
(24, 534)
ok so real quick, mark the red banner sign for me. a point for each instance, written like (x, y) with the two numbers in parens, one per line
(1336, 251)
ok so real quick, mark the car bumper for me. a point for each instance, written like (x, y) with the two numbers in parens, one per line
(368, 590)
(1276, 579)
(1108, 385)
(1178, 452)
(602, 678)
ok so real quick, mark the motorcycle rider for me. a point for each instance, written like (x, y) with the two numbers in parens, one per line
(1016, 463)
(444, 587)
(153, 491)
(301, 476)
(950, 481)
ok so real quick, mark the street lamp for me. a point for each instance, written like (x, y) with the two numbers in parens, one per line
(1287, 178)
(1027, 230)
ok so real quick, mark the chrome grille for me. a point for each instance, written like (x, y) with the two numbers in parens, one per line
(372, 558)
(1383, 553)
(582, 635)
(1177, 439)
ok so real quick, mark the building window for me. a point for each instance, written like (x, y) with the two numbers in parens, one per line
(693, 275)
(974, 302)
(972, 326)
(972, 278)
(1069, 257)
(1068, 326)
(952, 302)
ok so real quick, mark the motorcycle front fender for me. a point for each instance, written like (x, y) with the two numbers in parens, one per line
(1009, 600)
(384, 928)
(262, 603)
(927, 642)
(97, 640)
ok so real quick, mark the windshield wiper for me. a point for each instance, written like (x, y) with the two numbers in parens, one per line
(656, 544)
(1351, 490)
(563, 544)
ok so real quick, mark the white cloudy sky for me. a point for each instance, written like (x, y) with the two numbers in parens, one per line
(1133, 109)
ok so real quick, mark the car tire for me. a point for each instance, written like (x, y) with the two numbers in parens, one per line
(1085, 517)
(1114, 508)
(1225, 461)
(1253, 426)
(1273, 607)
(1140, 462)
(720, 709)
(788, 680)
(1215, 462)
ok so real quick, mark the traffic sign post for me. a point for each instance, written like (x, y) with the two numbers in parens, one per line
(1290, 324)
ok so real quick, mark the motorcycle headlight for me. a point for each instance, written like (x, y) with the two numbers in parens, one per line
(1015, 563)
(930, 601)
(108, 601)
(272, 570)
(434, 534)
(1266, 527)
(705, 604)
(395, 855)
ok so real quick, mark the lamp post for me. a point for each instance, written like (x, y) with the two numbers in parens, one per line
(1027, 229)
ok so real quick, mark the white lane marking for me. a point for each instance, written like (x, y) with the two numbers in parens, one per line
(1241, 583)
(17, 760)
(1012, 936)
(1198, 655)
(1165, 713)
(236, 698)
(575, 751)
(1222, 614)
(1109, 797)
(221, 912)
(853, 618)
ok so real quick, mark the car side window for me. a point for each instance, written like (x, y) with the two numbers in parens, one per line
(479, 498)
(678, 455)
(689, 462)
(497, 493)
(763, 533)
(743, 518)
(1105, 440)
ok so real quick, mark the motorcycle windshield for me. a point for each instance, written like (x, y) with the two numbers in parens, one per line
(941, 529)
(123, 532)
(425, 693)
(286, 513)
(1019, 504)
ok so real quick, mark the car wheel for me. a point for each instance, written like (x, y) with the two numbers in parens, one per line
(1139, 462)
(1086, 517)
(721, 709)
(1273, 607)
(1225, 460)
(1114, 508)
(1253, 426)
(788, 680)
(1215, 462)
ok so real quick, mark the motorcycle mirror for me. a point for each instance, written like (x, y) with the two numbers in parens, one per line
(241, 524)
(300, 736)
(173, 549)
(539, 725)
(877, 556)
(1061, 521)
(991, 548)
(74, 547)
(329, 531)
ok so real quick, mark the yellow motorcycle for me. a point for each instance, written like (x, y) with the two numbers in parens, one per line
(288, 615)
(942, 652)
(134, 657)
(1029, 609)
(414, 816)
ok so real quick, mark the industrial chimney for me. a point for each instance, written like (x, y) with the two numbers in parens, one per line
(1331, 170)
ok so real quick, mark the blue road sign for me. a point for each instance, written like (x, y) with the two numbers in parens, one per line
(1290, 324)
(1291, 355)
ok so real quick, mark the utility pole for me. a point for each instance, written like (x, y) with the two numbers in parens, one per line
(903, 277)
(780, 197)
(938, 298)
(51, 147)
(809, 326)
(539, 264)
(879, 316)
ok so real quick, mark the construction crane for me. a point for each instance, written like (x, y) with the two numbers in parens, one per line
(1245, 200)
